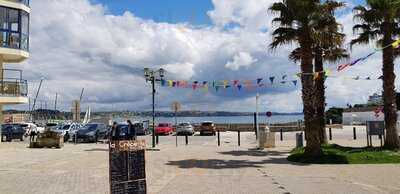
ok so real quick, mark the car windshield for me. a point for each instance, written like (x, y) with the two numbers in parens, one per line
(207, 124)
(184, 124)
(163, 125)
(123, 129)
(65, 127)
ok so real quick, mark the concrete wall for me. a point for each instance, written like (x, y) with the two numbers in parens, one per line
(361, 117)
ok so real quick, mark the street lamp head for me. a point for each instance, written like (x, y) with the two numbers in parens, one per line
(161, 71)
(146, 72)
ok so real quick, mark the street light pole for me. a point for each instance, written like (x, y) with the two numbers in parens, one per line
(150, 75)
(154, 113)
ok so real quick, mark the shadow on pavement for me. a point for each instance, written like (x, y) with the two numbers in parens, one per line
(228, 164)
(257, 153)
(97, 150)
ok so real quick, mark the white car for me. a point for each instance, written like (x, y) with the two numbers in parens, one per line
(184, 129)
(69, 128)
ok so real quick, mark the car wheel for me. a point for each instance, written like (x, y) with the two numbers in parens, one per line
(22, 138)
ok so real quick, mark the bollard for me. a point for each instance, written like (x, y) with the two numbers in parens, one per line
(239, 138)
(299, 140)
(219, 142)
(186, 140)
(354, 133)
(330, 133)
(281, 134)
(157, 139)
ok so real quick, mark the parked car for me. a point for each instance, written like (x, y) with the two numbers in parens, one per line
(91, 132)
(164, 129)
(184, 129)
(139, 127)
(207, 128)
(29, 127)
(66, 128)
(12, 131)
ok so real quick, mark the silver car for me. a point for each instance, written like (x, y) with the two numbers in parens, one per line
(185, 129)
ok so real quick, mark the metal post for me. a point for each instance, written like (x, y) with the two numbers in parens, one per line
(238, 137)
(281, 132)
(354, 133)
(330, 133)
(186, 140)
(219, 142)
(154, 113)
(176, 134)
(255, 125)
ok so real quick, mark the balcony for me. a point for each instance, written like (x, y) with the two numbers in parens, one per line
(25, 2)
(14, 34)
(13, 90)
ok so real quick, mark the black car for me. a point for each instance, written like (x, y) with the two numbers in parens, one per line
(12, 131)
(91, 132)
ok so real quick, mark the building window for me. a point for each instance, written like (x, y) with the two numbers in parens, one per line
(3, 18)
(14, 28)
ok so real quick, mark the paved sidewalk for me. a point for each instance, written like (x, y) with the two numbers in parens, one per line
(201, 167)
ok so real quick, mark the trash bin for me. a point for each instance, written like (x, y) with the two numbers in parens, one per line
(299, 140)
(267, 138)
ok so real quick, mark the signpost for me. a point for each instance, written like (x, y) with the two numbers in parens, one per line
(176, 106)
(375, 128)
(127, 167)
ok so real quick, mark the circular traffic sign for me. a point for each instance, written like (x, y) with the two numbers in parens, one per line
(269, 114)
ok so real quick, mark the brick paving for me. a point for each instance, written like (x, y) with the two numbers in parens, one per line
(201, 167)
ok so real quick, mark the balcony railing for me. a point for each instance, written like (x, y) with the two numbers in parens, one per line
(25, 2)
(13, 86)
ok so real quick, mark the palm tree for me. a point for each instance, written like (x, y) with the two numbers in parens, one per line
(379, 21)
(295, 26)
(328, 42)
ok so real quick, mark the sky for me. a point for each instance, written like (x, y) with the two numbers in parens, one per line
(103, 46)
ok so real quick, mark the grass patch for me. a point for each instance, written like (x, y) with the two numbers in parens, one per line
(335, 154)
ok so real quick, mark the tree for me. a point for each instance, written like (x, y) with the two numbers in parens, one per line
(327, 42)
(379, 21)
(295, 25)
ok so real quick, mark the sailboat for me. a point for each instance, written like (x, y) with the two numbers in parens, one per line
(86, 120)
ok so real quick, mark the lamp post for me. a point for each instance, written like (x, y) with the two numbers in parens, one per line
(152, 76)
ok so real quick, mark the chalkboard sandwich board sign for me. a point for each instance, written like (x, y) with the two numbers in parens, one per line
(127, 167)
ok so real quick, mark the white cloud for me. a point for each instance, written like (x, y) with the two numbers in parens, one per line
(77, 44)
(242, 59)
(250, 14)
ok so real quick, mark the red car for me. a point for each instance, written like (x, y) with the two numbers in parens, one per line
(164, 129)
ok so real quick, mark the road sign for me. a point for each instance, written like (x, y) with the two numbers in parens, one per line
(269, 114)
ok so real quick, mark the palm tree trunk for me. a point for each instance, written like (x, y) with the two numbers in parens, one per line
(319, 97)
(389, 97)
(313, 146)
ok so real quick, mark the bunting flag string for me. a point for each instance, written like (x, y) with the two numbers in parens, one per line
(252, 84)
(342, 67)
